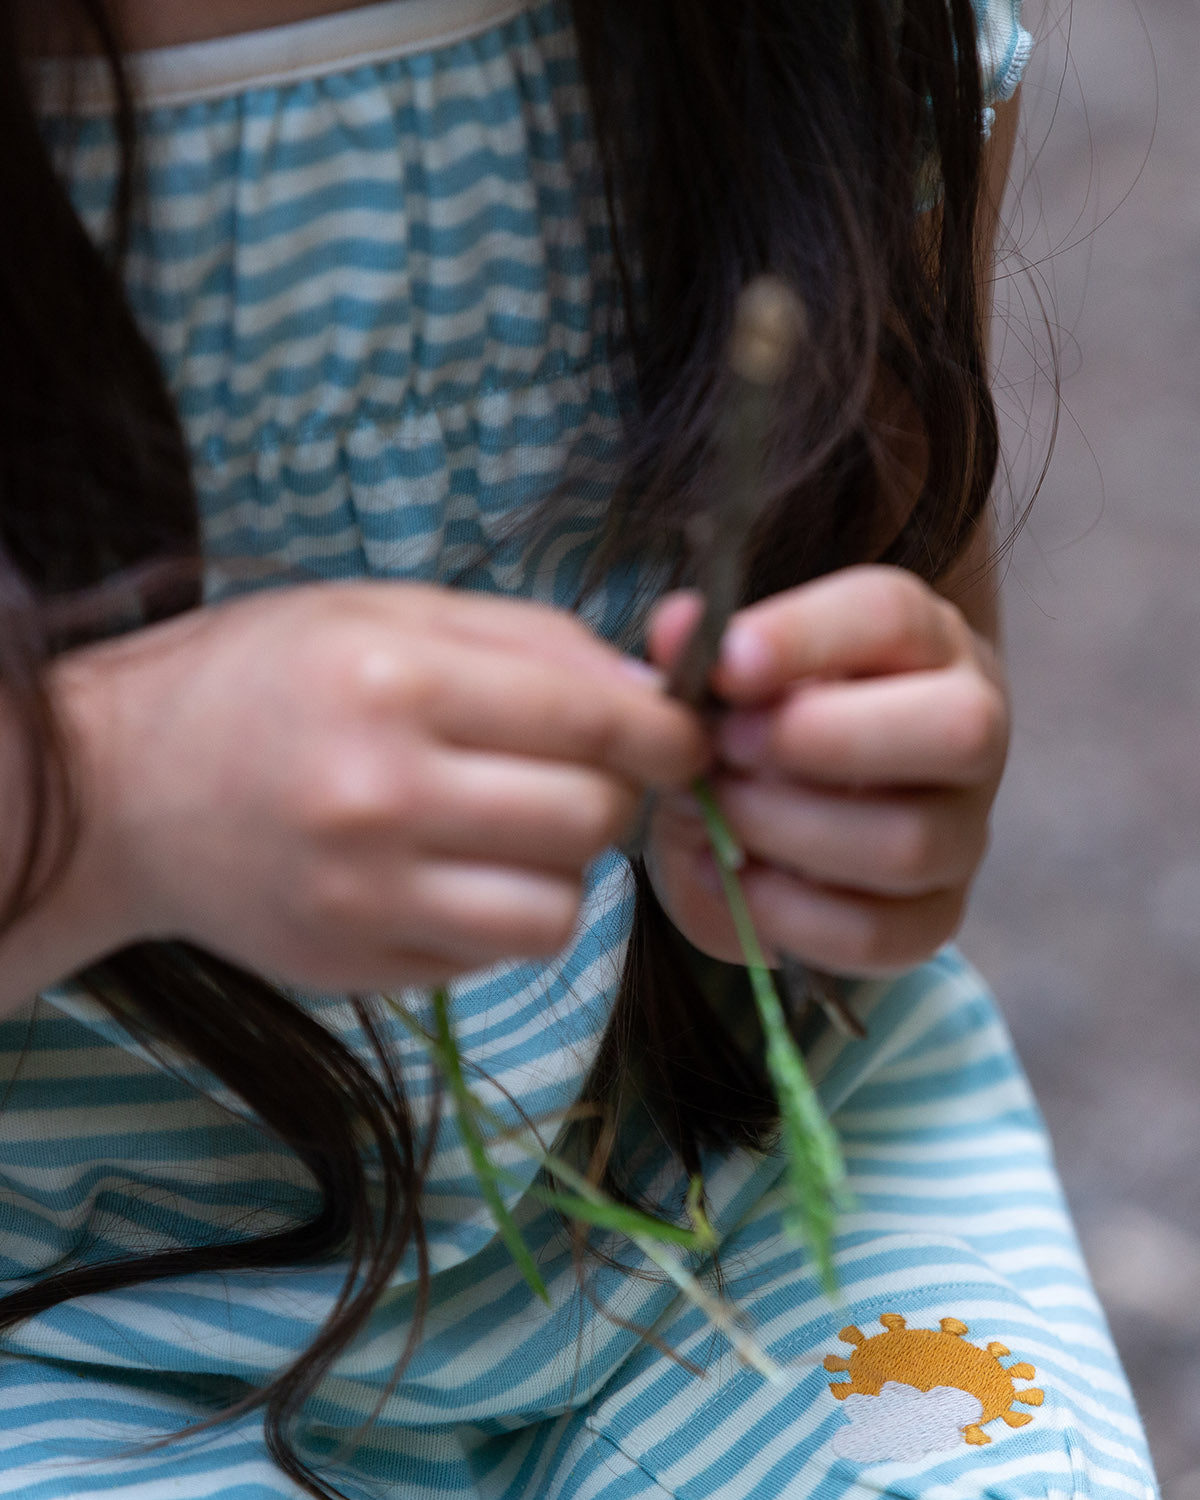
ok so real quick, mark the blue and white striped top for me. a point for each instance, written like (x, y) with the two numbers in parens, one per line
(374, 261)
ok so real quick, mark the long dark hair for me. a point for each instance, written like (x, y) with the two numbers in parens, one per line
(733, 136)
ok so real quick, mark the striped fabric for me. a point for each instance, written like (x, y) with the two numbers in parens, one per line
(374, 262)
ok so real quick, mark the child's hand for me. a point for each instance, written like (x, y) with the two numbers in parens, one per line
(857, 766)
(367, 786)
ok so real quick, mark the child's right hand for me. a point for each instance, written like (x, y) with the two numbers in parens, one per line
(361, 786)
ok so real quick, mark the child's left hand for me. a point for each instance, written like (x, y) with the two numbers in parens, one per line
(857, 766)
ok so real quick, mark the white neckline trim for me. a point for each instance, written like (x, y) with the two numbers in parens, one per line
(278, 55)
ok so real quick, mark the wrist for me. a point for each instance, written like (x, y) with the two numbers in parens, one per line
(78, 905)
(100, 890)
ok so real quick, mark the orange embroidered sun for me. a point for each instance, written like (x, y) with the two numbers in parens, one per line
(926, 1358)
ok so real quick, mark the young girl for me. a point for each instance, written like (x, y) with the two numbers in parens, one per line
(413, 316)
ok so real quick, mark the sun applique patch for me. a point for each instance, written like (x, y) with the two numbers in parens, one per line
(914, 1391)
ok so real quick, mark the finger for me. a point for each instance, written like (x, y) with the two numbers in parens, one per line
(869, 621)
(395, 969)
(532, 708)
(413, 613)
(485, 912)
(502, 809)
(385, 965)
(897, 845)
(849, 933)
(528, 628)
(469, 914)
(671, 623)
(361, 955)
(920, 729)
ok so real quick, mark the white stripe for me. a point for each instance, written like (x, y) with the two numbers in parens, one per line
(1022, 1475)
(279, 55)
(982, 1107)
(977, 1183)
(948, 1149)
(957, 1225)
(1058, 1257)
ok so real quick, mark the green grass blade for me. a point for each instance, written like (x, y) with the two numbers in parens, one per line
(464, 1102)
(592, 1205)
(816, 1174)
(718, 1312)
(655, 1238)
(617, 1217)
(695, 1208)
(587, 1203)
(444, 1046)
(650, 1241)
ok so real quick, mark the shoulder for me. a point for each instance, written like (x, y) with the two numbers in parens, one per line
(1004, 47)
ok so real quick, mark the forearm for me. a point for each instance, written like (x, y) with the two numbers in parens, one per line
(62, 934)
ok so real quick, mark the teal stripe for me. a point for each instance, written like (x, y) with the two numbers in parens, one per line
(380, 186)
(561, 319)
(140, 1189)
(173, 1144)
(447, 395)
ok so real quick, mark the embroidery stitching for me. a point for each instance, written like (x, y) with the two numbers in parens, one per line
(914, 1391)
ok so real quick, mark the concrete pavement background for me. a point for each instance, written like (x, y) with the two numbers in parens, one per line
(1087, 915)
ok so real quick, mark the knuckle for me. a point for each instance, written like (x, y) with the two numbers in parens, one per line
(351, 788)
(384, 680)
(977, 728)
(360, 670)
(604, 815)
(897, 603)
(955, 627)
(596, 724)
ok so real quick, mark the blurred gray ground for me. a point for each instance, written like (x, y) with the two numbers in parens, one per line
(1087, 915)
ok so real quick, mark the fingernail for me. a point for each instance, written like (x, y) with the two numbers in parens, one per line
(641, 671)
(742, 740)
(744, 653)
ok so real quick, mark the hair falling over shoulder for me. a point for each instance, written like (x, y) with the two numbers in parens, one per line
(737, 136)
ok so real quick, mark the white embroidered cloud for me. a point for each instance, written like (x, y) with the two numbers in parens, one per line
(904, 1423)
